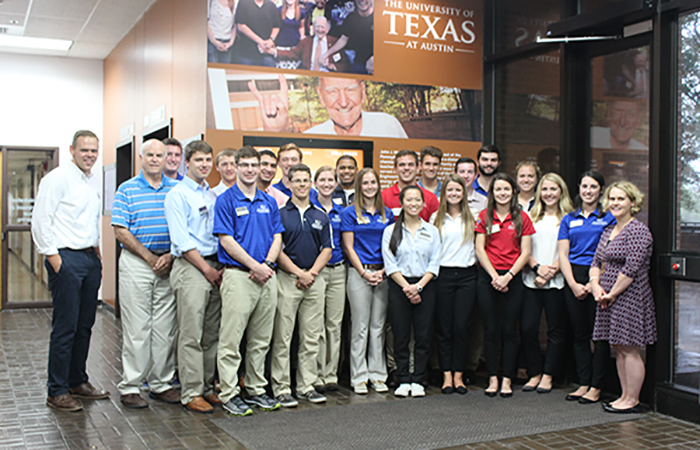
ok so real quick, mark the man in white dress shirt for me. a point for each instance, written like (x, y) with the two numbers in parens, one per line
(226, 166)
(65, 228)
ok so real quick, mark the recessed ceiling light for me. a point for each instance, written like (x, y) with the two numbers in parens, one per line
(22, 42)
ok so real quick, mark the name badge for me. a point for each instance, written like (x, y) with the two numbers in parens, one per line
(336, 57)
(575, 223)
(241, 211)
(338, 201)
(424, 235)
(495, 228)
(202, 210)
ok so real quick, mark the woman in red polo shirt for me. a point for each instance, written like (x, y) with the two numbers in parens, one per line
(503, 247)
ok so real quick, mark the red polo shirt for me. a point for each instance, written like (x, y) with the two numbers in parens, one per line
(503, 246)
(391, 200)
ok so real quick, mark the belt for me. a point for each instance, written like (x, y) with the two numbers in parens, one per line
(213, 258)
(160, 253)
(373, 266)
(338, 264)
(86, 250)
(242, 269)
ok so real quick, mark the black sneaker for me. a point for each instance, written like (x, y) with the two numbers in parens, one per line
(287, 401)
(264, 402)
(313, 397)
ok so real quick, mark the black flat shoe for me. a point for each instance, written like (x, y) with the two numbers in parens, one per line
(490, 393)
(633, 410)
(585, 401)
(447, 390)
(543, 390)
(528, 388)
(506, 394)
(461, 390)
(573, 398)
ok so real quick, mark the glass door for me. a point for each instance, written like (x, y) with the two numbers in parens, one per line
(24, 278)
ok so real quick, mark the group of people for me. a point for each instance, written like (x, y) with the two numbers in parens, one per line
(213, 280)
(323, 35)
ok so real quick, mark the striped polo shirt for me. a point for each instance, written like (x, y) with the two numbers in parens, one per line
(139, 207)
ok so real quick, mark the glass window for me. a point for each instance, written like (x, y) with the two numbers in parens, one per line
(590, 5)
(688, 186)
(519, 23)
(686, 347)
(620, 118)
(527, 111)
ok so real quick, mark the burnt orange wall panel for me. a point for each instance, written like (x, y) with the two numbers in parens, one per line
(158, 57)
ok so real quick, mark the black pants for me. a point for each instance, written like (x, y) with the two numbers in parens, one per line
(552, 300)
(403, 314)
(456, 297)
(74, 294)
(501, 313)
(589, 367)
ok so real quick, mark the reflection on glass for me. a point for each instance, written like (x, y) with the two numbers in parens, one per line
(527, 97)
(687, 342)
(620, 118)
(519, 23)
(688, 188)
(24, 169)
(27, 279)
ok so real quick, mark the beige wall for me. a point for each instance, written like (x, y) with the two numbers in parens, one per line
(161, 61)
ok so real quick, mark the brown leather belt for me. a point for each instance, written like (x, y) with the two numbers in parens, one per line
(373, 266)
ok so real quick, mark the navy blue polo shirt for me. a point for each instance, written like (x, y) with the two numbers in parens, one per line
(368, 236)
(477, 187)
(252, 223)
(334, 216)
(304, 238)
(313, 194)
(583, 234)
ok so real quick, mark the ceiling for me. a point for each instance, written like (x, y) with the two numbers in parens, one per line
(94, 26)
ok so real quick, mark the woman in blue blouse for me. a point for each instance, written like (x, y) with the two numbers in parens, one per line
(362, 226)
(411, 250)
(579, 234)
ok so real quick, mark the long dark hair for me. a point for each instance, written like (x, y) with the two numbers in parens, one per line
(397, 234)
(515, 209)
(600, 179)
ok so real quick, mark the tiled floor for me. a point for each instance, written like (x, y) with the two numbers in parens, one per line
(26, 422)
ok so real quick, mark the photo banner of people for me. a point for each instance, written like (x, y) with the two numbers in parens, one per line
(416, 42)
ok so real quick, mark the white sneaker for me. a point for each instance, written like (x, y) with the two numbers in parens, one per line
(404, 390)
(380, 386)
(361, 388)
(417, 390)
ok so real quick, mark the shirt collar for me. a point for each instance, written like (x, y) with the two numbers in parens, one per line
(77, 171)
(141, 179)
(241, 197)
(190, 183)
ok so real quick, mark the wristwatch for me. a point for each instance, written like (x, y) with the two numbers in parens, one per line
(536, 269)
(419, 288)
(271, 264)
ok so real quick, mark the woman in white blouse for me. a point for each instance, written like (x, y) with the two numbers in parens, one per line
(456, 286)
(543, 285)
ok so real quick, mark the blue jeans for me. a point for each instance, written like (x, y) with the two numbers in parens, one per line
(74, 293)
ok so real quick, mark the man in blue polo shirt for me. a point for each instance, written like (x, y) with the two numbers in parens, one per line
(195, 278)
(149, 320)
(489, 158)
(248, 224)
(288, 156)
(307, 250)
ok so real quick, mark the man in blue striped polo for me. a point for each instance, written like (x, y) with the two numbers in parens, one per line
(149, 316)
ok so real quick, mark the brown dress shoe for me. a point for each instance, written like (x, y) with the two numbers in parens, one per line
(86, 390)
(168, 396)
(134, 401)
(198, 404)
(213, 398)
(64, 402)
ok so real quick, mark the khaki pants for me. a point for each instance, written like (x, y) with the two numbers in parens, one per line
(246, 307)
(329, 345)
(149, 326)
(368, 308)
(199, 317)
(308, 304)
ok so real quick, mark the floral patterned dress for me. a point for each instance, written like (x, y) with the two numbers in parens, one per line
(631, 319)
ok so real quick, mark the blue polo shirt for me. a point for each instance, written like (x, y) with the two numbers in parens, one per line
(583, 234)
(334, 217)
(436, 191)
(140, 208)
(368, 236)
(304, 238)
(313, 194)
(252, 223)
(477, 187)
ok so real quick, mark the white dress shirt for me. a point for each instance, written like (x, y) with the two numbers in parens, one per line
(66, 212)
(545, 250)
(454, 252)
(220, 188)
